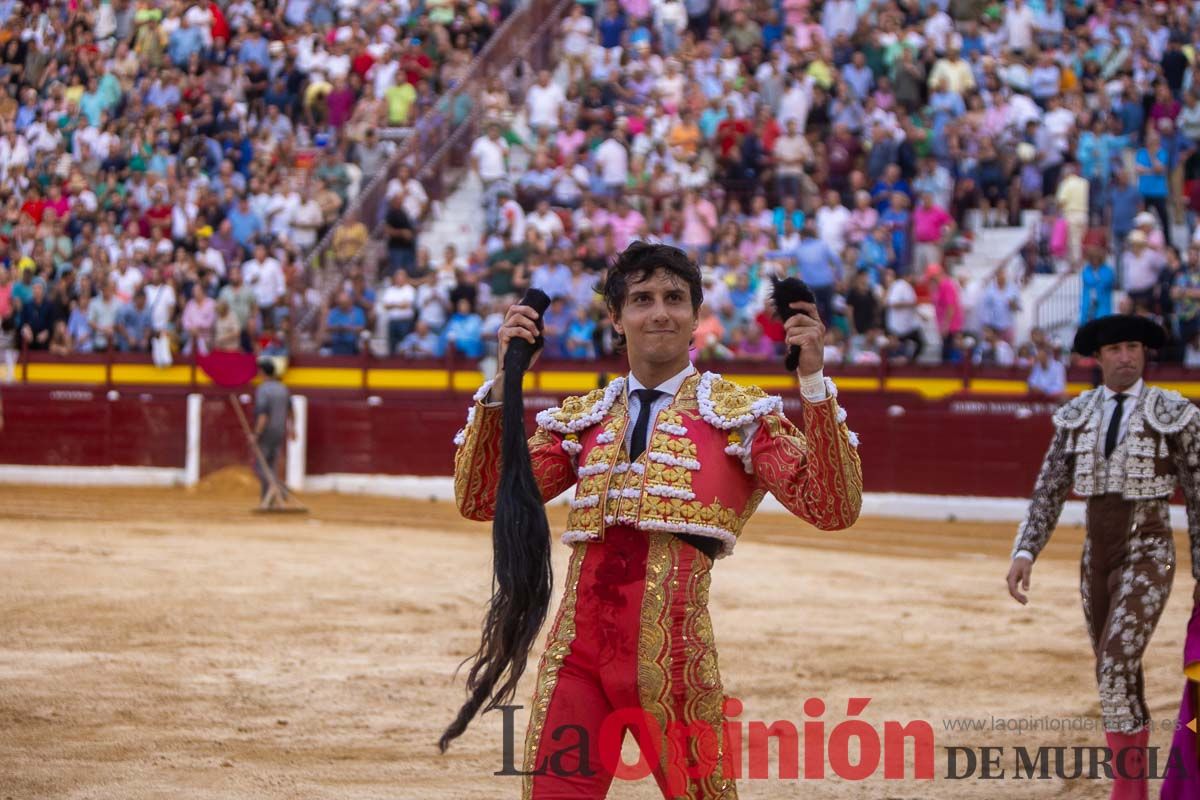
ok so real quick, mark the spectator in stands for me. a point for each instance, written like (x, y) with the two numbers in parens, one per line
(227, 331)
(1048, 377)
(902, 320)
(464, 331)
(421, 342)
(1185, 296)
(931, 225)
(37, 319)
(1141, 268)
(399, 305)
(1001, 301)
(344, 326)
(134, 325)
(1098, 282)
(401, 237)
(240, 297)
(102, 318)
(993, 350)
(947, 304)
(199, 318)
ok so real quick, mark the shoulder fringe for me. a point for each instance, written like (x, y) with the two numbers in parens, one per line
(740, 405)
(1076, 412)
(578, 413)
(1167, 411)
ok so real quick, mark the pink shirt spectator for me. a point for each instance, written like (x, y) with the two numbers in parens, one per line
(947, 304)
(809, 35)
(626, 228)
(569, 142)
(200, 317)
(928, 223)
(862, 222)
(699, 222)
(636, 8)
(60, 207)
(794, 12)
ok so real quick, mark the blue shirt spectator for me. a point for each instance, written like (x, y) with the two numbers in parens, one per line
(345, 323)
(553, 279)
(185, 41)
(1152, 183)
(464, 330)
(1098, 281)
(818, 266)
(254, 49)
(244, 222)
(1048, 376)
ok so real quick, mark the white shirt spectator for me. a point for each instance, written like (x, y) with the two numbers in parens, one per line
(384, 75)
(938, 29)
(266, 279)
(543, 104)
(839, 16)
(577, 34)
(415, 196)
(127, 282)
(212, 258)
(160, 299)
(902, 321)
(1018, 24)
(831, 227)
(399, 302)
(549, 224)
(1141, 269)
(432, 302)
(613, 161)
(795, 104)
(489, 156)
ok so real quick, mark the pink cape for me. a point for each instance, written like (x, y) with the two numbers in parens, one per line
(1182, 781)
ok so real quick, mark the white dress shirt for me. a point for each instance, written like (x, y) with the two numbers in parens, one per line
(1110, 405)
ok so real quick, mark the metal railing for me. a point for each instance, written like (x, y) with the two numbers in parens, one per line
(447, 128)
(1058, 308)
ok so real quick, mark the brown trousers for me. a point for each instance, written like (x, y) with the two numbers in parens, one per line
(1128, 565)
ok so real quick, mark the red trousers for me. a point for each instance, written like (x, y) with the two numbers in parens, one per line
(630, 650)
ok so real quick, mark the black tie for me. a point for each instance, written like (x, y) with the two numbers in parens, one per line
(647, 398)
(1114, 426)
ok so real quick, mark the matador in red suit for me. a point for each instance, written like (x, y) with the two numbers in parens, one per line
(668, 464)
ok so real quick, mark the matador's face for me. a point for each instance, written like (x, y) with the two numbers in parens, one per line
(657, 319)
(1122, 364)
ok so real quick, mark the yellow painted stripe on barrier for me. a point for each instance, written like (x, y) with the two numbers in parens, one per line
(414, 379)
(932, 388)
(66, 373)
(998, 386)
(470, 381)
(574, 382)
(323, 377)
(553, 381)
(147, 374)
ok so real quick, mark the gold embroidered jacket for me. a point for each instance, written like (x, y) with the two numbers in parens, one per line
(1161, 448)
(696, 476)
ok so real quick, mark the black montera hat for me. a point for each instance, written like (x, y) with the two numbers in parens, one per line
(1118, 328)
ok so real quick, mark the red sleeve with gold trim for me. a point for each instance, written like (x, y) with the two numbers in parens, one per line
(477, 463)
(817, 474)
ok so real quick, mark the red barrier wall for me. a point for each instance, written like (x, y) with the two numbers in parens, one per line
(964, 445)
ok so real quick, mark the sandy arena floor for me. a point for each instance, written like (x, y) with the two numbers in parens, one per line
(166, 644)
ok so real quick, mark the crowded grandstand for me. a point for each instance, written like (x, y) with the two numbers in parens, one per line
(958, 181)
